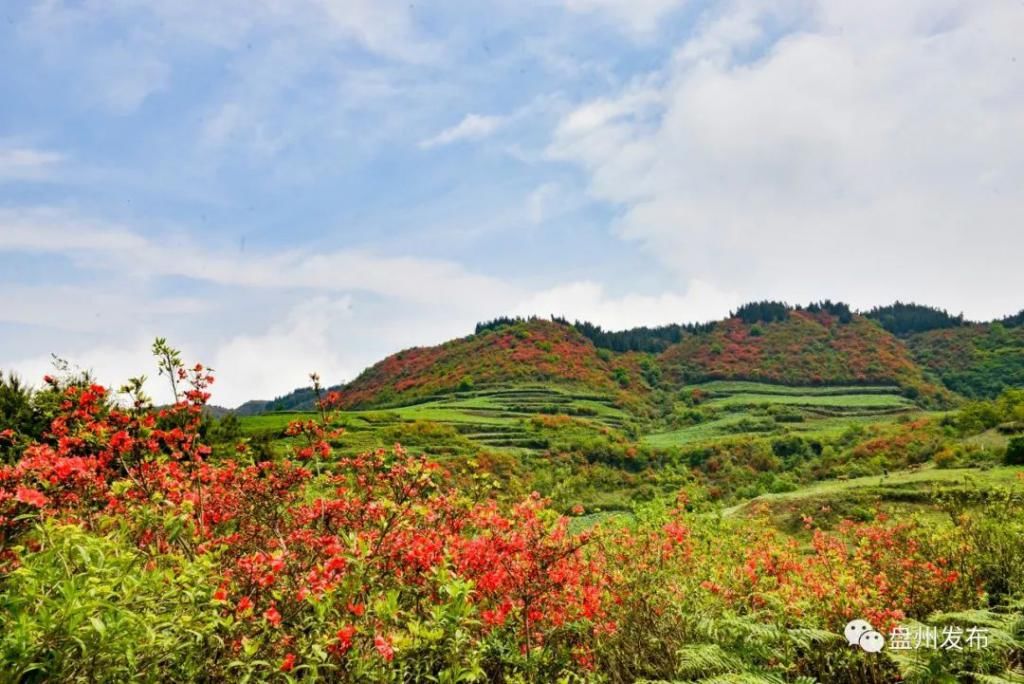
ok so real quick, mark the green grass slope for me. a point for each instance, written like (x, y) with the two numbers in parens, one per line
(735, 408)
(900, 495)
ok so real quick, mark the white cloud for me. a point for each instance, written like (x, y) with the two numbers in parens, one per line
(264, 321)
(539, 203)
(234, 122)
(52, 230)
(100, 309)
(119, 53)
(265, 365)
(472, 127)
(99, 245)
(638, 16)
(26, 163)
(384, 28)
(111, 364)
(871, 153)
(120, 78)
(588, 301)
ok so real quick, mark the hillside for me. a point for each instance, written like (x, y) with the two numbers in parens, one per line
(798, 347)
(299, 399)
(976, 360)
(525, 351)
(926, 353)
(804, 348)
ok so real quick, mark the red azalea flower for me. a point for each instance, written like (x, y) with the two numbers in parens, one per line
(384, 648)
(272, 616)
(288, 663)
(32, 497)
(345, 635)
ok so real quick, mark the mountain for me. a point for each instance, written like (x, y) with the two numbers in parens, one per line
(533, 350)
(924, 351)
(973, 359)
(299, 399)
(803, 348)
(976, 360)
(508, 351)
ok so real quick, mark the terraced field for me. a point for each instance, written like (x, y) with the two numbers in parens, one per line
(900, 494)
(498, 418)
(845, 400)
(729, 387)
(740, 408)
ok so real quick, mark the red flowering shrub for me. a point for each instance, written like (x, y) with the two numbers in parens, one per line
(347, 571)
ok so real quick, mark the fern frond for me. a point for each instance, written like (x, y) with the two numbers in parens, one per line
(736, 628)
(744, 678)
(806, 637)
(980, 618)
(1006, 677)
(914, 668)
(703, 660)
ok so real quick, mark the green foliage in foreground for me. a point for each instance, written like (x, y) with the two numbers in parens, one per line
(87, 608)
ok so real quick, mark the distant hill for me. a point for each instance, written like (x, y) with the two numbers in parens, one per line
(800, 348)
(299, 399)
(923, 350)
(976, 360)
(533, 350)
(1014, 320)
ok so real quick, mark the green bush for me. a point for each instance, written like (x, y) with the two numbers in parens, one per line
(86, 608)
(1015, 451)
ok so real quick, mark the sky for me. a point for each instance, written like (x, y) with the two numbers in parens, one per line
(285, 187)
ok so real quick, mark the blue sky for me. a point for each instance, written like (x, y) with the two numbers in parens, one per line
(280, 187)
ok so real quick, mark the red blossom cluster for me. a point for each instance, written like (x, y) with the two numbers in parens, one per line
(879, 571)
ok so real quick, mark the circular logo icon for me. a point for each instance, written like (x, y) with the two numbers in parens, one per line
(855, 629)
(872, 641)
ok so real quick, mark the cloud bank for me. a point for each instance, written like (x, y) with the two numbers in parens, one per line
(871, 152)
